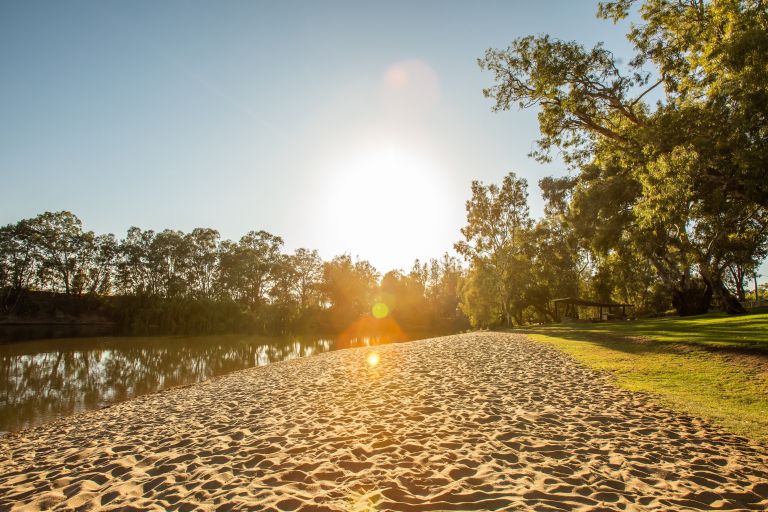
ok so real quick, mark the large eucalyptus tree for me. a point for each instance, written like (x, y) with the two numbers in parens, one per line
(682, 181)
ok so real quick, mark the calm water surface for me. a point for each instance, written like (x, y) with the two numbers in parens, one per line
(42, 380)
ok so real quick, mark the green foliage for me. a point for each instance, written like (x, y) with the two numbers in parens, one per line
(556, 268)
(480, 294)
(174, 283)
(495, 241)
(349, 287)
(681, 183)
(248, 269)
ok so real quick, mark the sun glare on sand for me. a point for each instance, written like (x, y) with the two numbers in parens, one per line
(373, 358)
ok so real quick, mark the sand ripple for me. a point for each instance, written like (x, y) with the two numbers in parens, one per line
(471, 422)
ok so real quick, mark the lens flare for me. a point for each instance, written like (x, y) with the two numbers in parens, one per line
(380, 310)
(373, 359)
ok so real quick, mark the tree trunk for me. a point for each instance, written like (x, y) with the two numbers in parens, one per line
(737, 273)
(728, 302)
(757, 295)
(688, 299)
(506, 313)
(689, 296)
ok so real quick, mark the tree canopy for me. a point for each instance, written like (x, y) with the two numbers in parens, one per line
(681, 182)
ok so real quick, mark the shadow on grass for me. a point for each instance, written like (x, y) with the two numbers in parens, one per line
(631, 339)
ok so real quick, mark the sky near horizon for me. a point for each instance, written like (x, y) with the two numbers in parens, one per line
(347, 127)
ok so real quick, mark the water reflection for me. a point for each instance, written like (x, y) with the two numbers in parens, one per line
(40, 380)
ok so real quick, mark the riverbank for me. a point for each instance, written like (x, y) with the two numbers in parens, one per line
(474, 421)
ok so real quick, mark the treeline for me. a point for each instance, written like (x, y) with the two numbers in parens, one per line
(175, 282)
(666, 203)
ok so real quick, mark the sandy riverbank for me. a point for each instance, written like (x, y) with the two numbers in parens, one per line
(469, 422)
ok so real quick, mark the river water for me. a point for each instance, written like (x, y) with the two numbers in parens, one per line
(44, 379)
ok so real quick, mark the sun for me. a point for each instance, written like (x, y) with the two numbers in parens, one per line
(385, 199)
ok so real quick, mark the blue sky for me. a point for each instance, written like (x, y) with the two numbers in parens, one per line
(323, 122)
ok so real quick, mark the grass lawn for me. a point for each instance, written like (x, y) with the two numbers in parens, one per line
(711, 366)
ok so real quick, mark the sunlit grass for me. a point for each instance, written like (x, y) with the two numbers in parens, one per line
(714, 330)
(713, 366)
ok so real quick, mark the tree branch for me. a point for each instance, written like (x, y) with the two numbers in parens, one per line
(636, 100)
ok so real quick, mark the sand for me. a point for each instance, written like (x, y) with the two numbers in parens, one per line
(470, 422)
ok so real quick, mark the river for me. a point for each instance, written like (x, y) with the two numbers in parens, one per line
(45, 379)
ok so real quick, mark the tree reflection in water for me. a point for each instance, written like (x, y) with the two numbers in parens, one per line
(41, 380)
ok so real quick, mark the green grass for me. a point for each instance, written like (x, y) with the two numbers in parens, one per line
(712, 366)
(716, 330)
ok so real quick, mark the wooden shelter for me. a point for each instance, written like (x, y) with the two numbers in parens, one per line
(570, 308)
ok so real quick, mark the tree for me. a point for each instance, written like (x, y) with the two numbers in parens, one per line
(61, 242)
(307, 269)
(248, 268)
(202, 271)
(498, 224)
(98, 264)
(176, 282)
(19, 263)
(283, 309)
(349, 288)
(684, 181)
(18, 256)
(443, 284)
(480, 293)
(556, 266)
(169, 255)
(405, 296)
(134, 274)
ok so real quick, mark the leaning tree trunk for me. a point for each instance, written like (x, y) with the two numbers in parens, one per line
(728, 302)
(689, 296)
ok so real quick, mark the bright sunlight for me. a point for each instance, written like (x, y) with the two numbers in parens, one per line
(384, 198)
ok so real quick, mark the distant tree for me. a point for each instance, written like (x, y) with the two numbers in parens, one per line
(134, 273)
(61, 244)
(175, 282)
(99, 260)
(349, 288)
(557, 266)
(443, 282)
(495, 237)
(480, 293)
(307, 267)
(249, 267)
(405, 296)
(203, 267)
(19, 263)
(169, 262)
(18, 256)
(283, 311)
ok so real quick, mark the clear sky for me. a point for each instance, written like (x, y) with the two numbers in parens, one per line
(342, 126)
